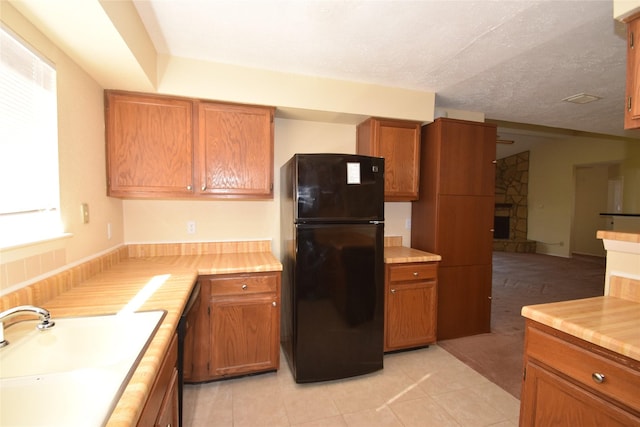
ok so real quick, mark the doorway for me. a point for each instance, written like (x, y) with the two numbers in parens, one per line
(594, 192)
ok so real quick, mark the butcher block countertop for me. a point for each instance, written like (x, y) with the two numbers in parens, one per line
(151, 283)
(618, 235)
(403, 254)
(610, 322)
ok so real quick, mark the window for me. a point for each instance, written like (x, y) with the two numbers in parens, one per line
(29, 184)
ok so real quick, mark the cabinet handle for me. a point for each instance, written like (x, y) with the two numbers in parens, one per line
(415, 274)
(204, 187)
(189, 187)
(491, 230)
(393, 291)
(597, 377)
(244, 287)
(273, 304)
(494, 161)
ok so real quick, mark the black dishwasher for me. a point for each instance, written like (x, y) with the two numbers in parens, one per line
(182, 331)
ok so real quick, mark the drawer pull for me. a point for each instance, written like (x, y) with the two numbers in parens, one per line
(415, 274)
(393, 291)
(244, 287)
(598, 377)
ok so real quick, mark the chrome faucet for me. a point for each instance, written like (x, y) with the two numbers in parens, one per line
(45, 318)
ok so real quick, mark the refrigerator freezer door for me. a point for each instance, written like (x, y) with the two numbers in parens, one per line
(338, 188)
(338, 301)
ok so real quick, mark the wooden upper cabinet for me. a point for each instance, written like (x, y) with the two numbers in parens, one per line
(467, 163)
(234, 150)
(171, 147)
(398, 141)
(149, 146)
(632, 99)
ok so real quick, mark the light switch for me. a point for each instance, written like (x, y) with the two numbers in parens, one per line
(85, 213)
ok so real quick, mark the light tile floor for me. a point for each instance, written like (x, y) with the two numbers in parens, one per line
(425, 387)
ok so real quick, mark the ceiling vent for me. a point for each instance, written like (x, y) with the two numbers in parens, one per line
(581, 98)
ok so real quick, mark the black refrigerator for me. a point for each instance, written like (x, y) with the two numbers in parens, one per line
(332, 230)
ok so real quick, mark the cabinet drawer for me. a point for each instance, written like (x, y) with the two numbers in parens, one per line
(620, 382)
(239, 285)
(413, 271)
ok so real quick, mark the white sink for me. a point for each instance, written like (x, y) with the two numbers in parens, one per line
(73, 373)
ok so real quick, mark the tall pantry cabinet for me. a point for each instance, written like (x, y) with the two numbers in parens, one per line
(454, 218)
(632, 110)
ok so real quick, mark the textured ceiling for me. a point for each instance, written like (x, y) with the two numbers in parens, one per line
(512, 60)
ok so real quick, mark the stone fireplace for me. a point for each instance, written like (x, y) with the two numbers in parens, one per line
(511, 205)
(502, 221)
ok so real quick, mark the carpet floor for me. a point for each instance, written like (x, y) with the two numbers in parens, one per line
(519, 280)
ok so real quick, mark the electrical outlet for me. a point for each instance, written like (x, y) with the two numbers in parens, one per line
(191, 227)
(108, 231)
(407, 223)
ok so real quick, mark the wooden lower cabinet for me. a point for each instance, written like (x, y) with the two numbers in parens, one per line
(570, 382)
(237, 329)
(464, 300)
(161, 408)
(410, 305)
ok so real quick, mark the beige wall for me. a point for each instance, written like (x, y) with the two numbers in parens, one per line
(297, 95)
(630, 172)
(82, 169)
(552, 185)
(165, 221)
(591, 191)
(623, 9)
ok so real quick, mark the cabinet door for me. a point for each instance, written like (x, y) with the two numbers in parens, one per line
(162, 400)
(464, 234)
(235, 150)
(192, 336)
(168, 416)
(399, 143)
(411, 314)
(467, 158)
(196, 351)
(149, 146)
(244, 335)
(632, 107)
(464, 301)
(549, 399)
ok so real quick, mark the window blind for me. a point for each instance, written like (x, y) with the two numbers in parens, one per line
(29, 181)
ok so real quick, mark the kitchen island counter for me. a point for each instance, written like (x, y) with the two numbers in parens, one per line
(609, 322)
(150, 283)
